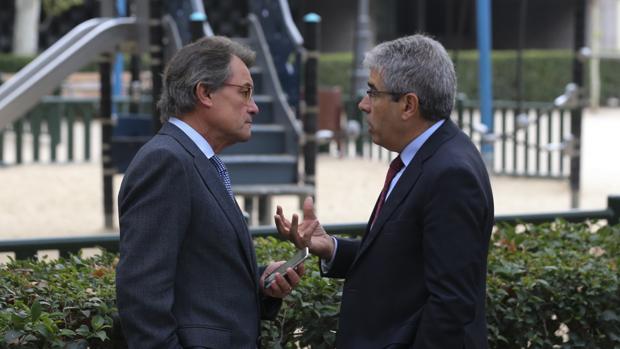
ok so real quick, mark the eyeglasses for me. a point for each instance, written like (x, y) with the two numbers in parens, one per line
(246, 91)
(372, 93)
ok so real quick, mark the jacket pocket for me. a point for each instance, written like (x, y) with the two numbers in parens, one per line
(204, 336)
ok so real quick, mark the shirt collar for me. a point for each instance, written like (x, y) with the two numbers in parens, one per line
(196, 137)
(412, 148)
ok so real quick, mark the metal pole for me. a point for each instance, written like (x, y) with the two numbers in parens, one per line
(196, 25)
(312, 25)
(520, 47)
(485, 73)
(361, 43)
(613, 203)
(105, 71)
(576, 113)
(157, 57)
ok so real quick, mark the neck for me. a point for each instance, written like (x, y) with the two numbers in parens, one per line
(195, 121)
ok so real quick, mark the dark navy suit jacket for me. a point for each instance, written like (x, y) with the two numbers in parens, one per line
(187, 275)
(417, 278)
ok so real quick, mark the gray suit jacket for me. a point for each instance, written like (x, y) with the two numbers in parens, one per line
(187, 275)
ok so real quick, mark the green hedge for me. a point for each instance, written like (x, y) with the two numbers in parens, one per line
(549, 286)
(545, 74)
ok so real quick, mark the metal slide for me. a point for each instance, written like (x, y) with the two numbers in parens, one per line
(73, 51)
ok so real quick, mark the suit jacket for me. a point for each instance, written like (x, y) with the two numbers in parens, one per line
(187, 274)
(418, 277)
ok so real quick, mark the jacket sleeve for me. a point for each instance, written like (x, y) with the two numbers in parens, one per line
(455, 248)
(344, 257)
(154, 210)
(269, 306)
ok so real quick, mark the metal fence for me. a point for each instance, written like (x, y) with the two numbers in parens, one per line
(530, 139)
(57, 130)
(28, 248)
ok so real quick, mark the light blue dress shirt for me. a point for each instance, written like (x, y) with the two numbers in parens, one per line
(196, 137)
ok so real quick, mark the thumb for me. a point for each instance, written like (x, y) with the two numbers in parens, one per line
(309, 208)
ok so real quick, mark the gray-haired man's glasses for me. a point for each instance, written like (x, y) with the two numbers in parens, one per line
(372, 93)
(246, 91)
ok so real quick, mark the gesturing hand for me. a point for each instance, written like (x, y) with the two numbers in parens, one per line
(309, 233)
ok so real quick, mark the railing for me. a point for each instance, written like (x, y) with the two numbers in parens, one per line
(59, 129)
(28, 248)
(531, 139)
(285, 44)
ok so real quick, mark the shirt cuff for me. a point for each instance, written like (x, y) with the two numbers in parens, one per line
(326, 265)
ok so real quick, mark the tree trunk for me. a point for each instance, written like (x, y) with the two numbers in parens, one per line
(26, 27)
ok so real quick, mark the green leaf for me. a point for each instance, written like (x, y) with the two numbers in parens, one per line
(67, 332)
(101, 335)
(83, 331)
(97, 322)
(35, 310)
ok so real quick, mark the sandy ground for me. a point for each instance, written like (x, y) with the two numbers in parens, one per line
(66, 199)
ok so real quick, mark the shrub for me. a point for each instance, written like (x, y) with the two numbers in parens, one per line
(545, 74)
(549, 286)
(56, 304)
(554, 285)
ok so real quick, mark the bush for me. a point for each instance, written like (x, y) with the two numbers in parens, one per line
(554, 285)
(549, 286)
(545, 74)
(56, 304)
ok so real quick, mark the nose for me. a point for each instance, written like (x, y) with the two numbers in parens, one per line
(253, 108)
(364, 104)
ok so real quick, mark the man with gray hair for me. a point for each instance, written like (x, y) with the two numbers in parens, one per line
(417, 278)
(187, 275)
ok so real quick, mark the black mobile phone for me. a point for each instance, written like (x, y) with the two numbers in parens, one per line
(297, 259)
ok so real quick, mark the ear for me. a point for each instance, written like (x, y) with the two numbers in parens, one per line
(411, 105)
(203, 95)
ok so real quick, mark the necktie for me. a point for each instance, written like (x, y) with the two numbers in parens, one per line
(395, 166)
(221, 170)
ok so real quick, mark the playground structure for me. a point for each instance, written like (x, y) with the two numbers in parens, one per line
(269, 164)
(528, 139)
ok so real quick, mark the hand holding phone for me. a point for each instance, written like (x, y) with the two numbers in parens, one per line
(297, 259)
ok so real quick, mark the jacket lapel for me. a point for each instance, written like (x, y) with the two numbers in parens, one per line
(214, 184)
(406, 183)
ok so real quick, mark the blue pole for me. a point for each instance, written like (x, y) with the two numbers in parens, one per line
(117, 87)
(483, 11)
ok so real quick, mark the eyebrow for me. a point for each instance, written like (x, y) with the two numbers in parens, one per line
(371, 85)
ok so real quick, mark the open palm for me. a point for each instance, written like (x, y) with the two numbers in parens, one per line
(309, 233)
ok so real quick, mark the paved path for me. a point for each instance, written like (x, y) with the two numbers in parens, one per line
(56, 200)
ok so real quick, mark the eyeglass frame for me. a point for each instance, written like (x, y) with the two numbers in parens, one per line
(246, 89)
(372, 93)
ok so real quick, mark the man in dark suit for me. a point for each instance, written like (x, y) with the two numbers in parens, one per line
(187, 275)
(417, 278)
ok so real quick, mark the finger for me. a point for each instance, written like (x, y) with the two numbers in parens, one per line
(307, 235)
(293, 277)
(280, 226)
(280, 212)
(309, 208)
(282, 284)
(301, 269)
(294, 235)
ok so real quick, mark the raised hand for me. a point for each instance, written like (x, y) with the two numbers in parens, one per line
(309, 233)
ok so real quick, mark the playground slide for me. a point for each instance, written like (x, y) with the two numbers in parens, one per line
(79, 47)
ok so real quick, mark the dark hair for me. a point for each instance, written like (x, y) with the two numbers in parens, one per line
(207, 61)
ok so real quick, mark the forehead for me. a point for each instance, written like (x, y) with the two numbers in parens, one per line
(375, 78)
(239, 71)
